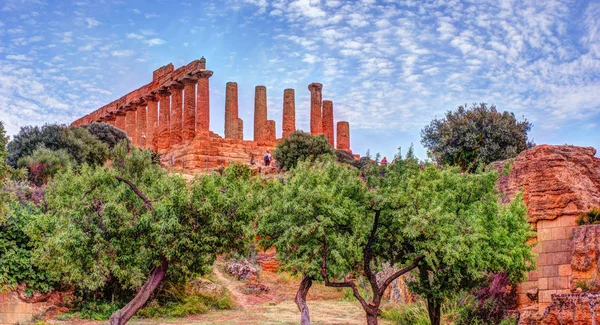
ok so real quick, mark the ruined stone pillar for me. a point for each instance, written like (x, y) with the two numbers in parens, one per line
(130, 123)
(232, 127)
(151, 121)
(260, 114)
(316, 97)
(189, 108)
(328, 121)
(163, 139)
(343, 136)
(120, 120)
(203, 102)
(176, 112)
(289, 112)
(271, 134)
(240, 129)
(141, 124)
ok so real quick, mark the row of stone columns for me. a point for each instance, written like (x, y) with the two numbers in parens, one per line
(321, 119)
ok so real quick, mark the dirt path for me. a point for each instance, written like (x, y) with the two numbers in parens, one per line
(240, 298)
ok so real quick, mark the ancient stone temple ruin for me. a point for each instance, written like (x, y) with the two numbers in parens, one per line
(171, 115)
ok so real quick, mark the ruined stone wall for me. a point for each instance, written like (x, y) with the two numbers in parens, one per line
(558, 184)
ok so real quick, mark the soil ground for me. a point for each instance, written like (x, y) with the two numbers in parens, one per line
(273, 308)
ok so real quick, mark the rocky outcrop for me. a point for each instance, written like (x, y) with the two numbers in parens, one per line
(557, 181)
(242, 270)
(573, 309)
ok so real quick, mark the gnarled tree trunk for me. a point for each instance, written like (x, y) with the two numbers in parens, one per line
(123, 315)
(300, 299)
(435, 312)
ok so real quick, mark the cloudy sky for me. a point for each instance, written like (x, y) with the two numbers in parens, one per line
(389, 66)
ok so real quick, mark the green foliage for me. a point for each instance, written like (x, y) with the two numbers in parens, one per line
(97, 228)
(313, 201)
(4, 171)
(407, 314)
(591, 217)
(180, 301)
(107, 133)
(469, 233)
(343, 156)
(16, 266)
(92, 309)
(474, 137)
(77, 142)
(44, 163)
(299, 146)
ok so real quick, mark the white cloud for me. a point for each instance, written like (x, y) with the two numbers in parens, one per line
(91, 22)
(135, 36)
(154, 41)
(310, 58)
(120, 53)
(19, 57)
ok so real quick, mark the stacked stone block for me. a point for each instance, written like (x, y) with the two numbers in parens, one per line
(189, 108)
(328, 122)
(176, 122)
(289, 112)
(316, 98)
(234, 126)
(343, 136)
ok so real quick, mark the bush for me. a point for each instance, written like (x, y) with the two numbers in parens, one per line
(106, 133)
(44, 163)
(80, 144)
(491, 303)
(407, 314)
(591, 217)
(345, 157)
(299, 146)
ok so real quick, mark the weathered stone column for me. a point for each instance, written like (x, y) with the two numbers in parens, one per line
(176, 112)
(120, 120)
(130, 123)
(271, 134)
(151, 121)
(328, 121)
(260, 114)
(343, 136)
(289, 112)
(203, 102)
(163, 139)
(316, 97)
(141, 124)
(232, 127)
(189, 108)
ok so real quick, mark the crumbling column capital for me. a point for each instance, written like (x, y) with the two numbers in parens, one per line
(315, 86)
(188, 80)
(163, 92)
(150, 98)
(174, 86)
(203, 74)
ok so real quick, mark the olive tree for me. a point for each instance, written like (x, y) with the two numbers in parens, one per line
(299, 146)
(138, 224)
(475, 136)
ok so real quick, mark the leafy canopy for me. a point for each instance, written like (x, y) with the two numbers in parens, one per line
(44, 163)
(97, 228)
(475, 136)
(299, 146)
(76, 141)
(107, 133)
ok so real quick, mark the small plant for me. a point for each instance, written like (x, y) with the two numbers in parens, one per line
(591, 217)
(407, 314)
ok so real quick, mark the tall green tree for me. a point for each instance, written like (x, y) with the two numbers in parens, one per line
(467, 234)
(327, 224)
(475, 136)
(138, 224)
(299, 146)
(107, 133)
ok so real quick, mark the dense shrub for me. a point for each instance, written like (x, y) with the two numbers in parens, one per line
(490, 304)
(475, 136)
(80, 144)
(106, 133)
(299, 146)
(44, 163)
(591, 217)
(345, 157)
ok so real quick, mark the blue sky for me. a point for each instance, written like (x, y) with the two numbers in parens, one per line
(389, 66)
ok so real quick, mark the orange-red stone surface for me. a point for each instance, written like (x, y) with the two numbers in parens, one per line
(289, 112)
(141, 119)
(558, 184)
(130, 125)
(343, 136)
(120, 122)
(189, 108)
(260, 114)
(270, 131)
(328, 121)
(162, 138)
(573, 309)
(176, 134)
(151, 121)
(316, 97)
(232, 128)
(203, 102)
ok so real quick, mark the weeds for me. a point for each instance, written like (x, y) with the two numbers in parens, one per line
(591, 217)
